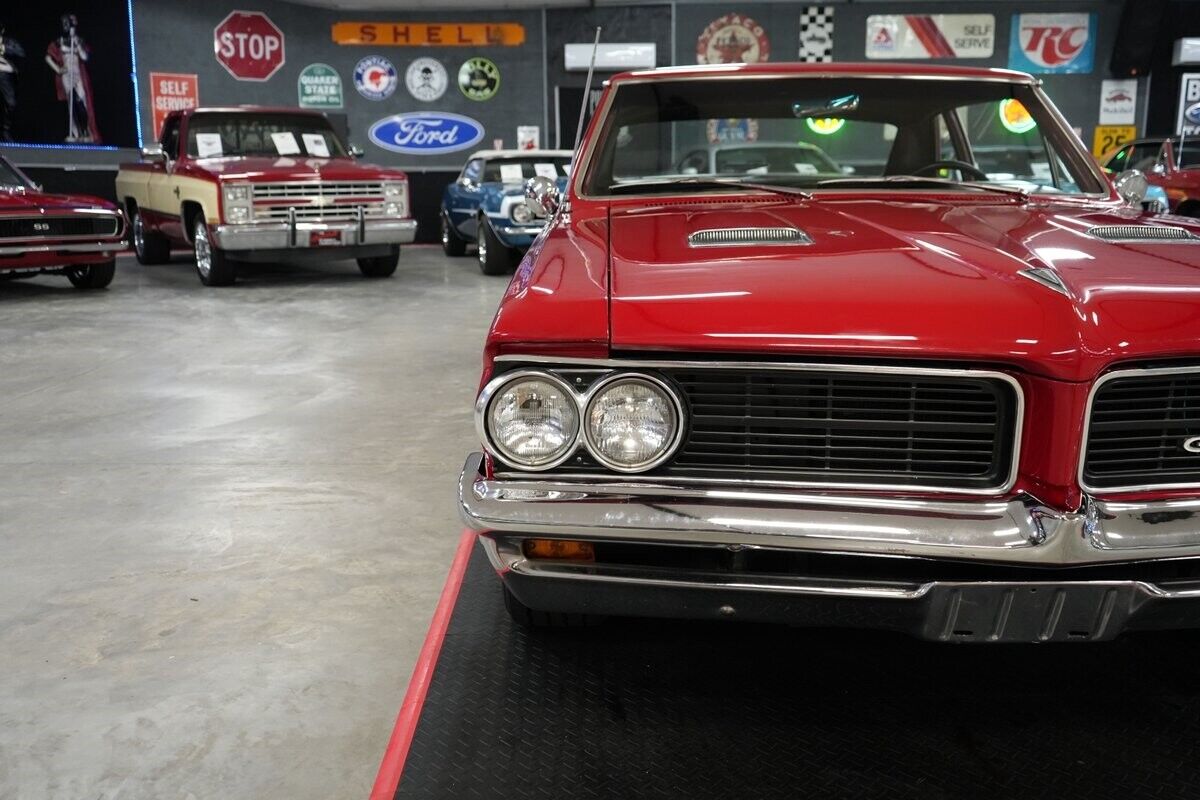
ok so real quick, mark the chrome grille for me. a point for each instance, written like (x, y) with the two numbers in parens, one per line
(1138, 426)
(939, 431)
(318, 201)
(735, 237)
(1142, 233)
(45, 227)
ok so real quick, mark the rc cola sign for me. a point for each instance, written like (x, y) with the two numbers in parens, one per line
(426, 133)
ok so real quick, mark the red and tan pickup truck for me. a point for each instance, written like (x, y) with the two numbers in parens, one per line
(262, 184)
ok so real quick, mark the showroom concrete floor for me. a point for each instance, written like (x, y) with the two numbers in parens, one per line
(226, 520)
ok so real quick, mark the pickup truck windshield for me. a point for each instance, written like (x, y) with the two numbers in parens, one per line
(820, 133)
(217, 135)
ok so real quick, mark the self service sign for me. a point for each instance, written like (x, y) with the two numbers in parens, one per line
(319, 86)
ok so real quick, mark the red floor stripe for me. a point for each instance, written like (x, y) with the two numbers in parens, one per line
(388, 778)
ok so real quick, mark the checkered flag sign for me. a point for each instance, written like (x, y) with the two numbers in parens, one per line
(816, 34)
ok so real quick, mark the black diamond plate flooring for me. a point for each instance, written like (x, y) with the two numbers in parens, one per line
(639, 709)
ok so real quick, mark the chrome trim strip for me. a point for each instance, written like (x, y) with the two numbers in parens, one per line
(1018, 422)
(1046, 277)
(1015, 531)
(116, 246)
(743, 237)
(1087, 424)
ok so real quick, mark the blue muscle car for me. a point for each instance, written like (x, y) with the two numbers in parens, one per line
(486, 205)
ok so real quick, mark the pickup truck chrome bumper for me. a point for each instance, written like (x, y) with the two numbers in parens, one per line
(289, 235)
(1013, 533)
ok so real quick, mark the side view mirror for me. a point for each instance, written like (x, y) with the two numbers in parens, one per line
(1132, 186)
(153, 152)
(543, 195)
(356, 151)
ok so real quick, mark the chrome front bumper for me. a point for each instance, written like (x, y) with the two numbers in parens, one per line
(290, 235)
(74, 248)
(1013, 533)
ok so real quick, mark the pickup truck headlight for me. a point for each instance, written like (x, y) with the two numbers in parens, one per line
(530, 420)
(632, 423)
(395, 198)
(521, 214)
(238, 202)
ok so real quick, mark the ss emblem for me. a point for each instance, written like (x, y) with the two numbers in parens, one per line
(41, 226)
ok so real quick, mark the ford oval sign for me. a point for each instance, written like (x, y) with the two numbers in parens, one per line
(1192, 113)
(426, 134)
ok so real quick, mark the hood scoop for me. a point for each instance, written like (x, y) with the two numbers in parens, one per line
(747, 237)
(1143, 233)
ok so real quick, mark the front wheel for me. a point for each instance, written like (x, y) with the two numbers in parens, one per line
(212, 265)
(452, 243)
(380, 266)
(149, 246)
(92, 276)
(494, 257)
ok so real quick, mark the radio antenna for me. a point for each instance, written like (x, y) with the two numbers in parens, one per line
(587, 92)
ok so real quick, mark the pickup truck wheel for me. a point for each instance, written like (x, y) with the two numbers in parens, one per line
(380, 266)
(92, 276)
(149, 246)
(526, 617)
(452, 243)
(212, 265)
(494, 257)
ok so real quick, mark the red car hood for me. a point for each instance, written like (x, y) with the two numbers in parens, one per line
(25, 201)
(286, 168)
(928, 278)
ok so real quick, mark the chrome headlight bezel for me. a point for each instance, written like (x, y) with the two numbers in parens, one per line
(237, 197)
(583, 402)
(483, 414)
(672, 396)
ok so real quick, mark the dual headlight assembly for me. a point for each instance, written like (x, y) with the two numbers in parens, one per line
(533, 420)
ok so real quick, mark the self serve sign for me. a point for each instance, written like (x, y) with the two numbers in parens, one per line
(249, 45)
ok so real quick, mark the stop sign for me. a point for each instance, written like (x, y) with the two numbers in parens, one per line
(249, 45)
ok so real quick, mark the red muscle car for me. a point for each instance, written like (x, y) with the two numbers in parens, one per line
(262, 184)
(71, 235)
(925, 400)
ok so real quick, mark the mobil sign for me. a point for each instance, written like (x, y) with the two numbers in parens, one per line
(1052, 42)
(248, 45)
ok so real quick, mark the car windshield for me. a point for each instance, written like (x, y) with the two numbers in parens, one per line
(517, 169)
(10, 178)
(216, 135)
(835, 134)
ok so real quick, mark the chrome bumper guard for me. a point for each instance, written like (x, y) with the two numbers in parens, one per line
(293, 234)
(1017, 532)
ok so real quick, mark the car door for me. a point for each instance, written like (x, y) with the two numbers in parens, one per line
(160, 189)
(464, 197)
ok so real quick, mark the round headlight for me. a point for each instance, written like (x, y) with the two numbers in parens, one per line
(521, 214)
(632, 423)
(532, 421)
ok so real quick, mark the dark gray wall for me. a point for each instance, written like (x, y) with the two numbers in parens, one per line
(163, 26)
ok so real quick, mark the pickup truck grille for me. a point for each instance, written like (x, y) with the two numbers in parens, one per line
(320, 201)
(46, 227)
(1138, 427)
(847, 428)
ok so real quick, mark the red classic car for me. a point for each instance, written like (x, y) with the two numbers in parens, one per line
(920, 400)
(55, 234)
(1167, 164)
(261, 184)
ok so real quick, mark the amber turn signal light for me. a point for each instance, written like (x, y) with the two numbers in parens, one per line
(559, 550)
